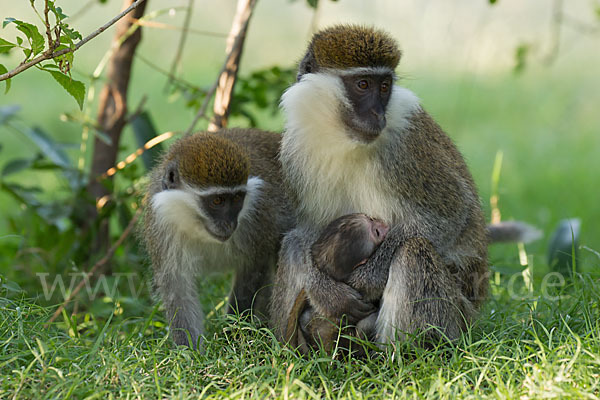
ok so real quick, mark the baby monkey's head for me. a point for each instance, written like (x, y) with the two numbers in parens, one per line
(346, 243)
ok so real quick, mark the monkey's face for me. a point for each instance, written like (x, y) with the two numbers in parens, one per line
(368, 95)
(347, 243)
(221, 211)
(208, 213)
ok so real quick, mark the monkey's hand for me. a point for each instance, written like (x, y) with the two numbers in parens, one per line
(334, 299)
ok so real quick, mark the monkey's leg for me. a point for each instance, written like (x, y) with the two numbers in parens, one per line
(421, 294)
(252, 286)
(179, 295)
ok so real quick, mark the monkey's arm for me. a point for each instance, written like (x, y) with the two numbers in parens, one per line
(330, 298)
(176, 287)
(370, 279)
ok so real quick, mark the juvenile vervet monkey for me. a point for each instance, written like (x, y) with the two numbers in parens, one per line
(341, 250)
(356, 142)
(214, 203)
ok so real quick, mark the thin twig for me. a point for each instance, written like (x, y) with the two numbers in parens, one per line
(48, 29)
(228, 73)
(202, 111)
(49, 54)
(227, 78)
(166, 73)
(97, 266)
(180, 46)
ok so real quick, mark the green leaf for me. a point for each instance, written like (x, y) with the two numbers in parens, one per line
(144, 130)
(73, 34)
(31, 31)
(14, 166)
(313, 3)
(48, 146)
(58, 12)
(73, 87)
(521, 58)
(9, 111)
(5, 46)
(3, 70)
(493, 1)
(7, 21)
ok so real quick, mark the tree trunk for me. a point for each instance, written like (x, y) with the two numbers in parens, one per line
(112, 112)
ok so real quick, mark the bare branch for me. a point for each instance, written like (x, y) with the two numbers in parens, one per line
(202, 111)
(228, 74)
(227, 78)
(112, 112)
(48, 29)
(98, 265)
(50, 54)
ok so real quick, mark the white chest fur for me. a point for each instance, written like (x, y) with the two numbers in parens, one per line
(332, 174)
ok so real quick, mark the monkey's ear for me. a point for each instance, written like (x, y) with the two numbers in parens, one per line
(171, 179)
(307, 65)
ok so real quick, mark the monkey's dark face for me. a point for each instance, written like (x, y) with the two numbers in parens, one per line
(214, 209)
(221, 211)
(368, 95)
(347, 243)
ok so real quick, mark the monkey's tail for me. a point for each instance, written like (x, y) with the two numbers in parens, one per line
(513, 231)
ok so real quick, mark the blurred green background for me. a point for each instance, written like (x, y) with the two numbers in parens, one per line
(458, 57)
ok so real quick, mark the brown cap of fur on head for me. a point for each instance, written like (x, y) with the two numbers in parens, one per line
(205, 159)
(349, 46)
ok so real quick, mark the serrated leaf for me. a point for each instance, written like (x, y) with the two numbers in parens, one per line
(31, 31)
(73, 87)
(3, 70)
(48, 146)
(5, 46)
(58, 12)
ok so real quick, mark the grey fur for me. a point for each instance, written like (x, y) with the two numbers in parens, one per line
(178, 260)
(432, 268)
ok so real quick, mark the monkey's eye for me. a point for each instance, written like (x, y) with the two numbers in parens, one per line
(237, 197)
(217, 201)
(363, 84)
(385, 87)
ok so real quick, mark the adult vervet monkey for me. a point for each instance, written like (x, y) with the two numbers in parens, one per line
(215, 203)
(354, 142)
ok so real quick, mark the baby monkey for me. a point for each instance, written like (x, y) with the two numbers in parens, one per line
(340, 251)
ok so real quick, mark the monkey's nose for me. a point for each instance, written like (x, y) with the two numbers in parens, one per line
(379, 230)
(379, 118)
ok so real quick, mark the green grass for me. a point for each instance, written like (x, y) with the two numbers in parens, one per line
(535, 346)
